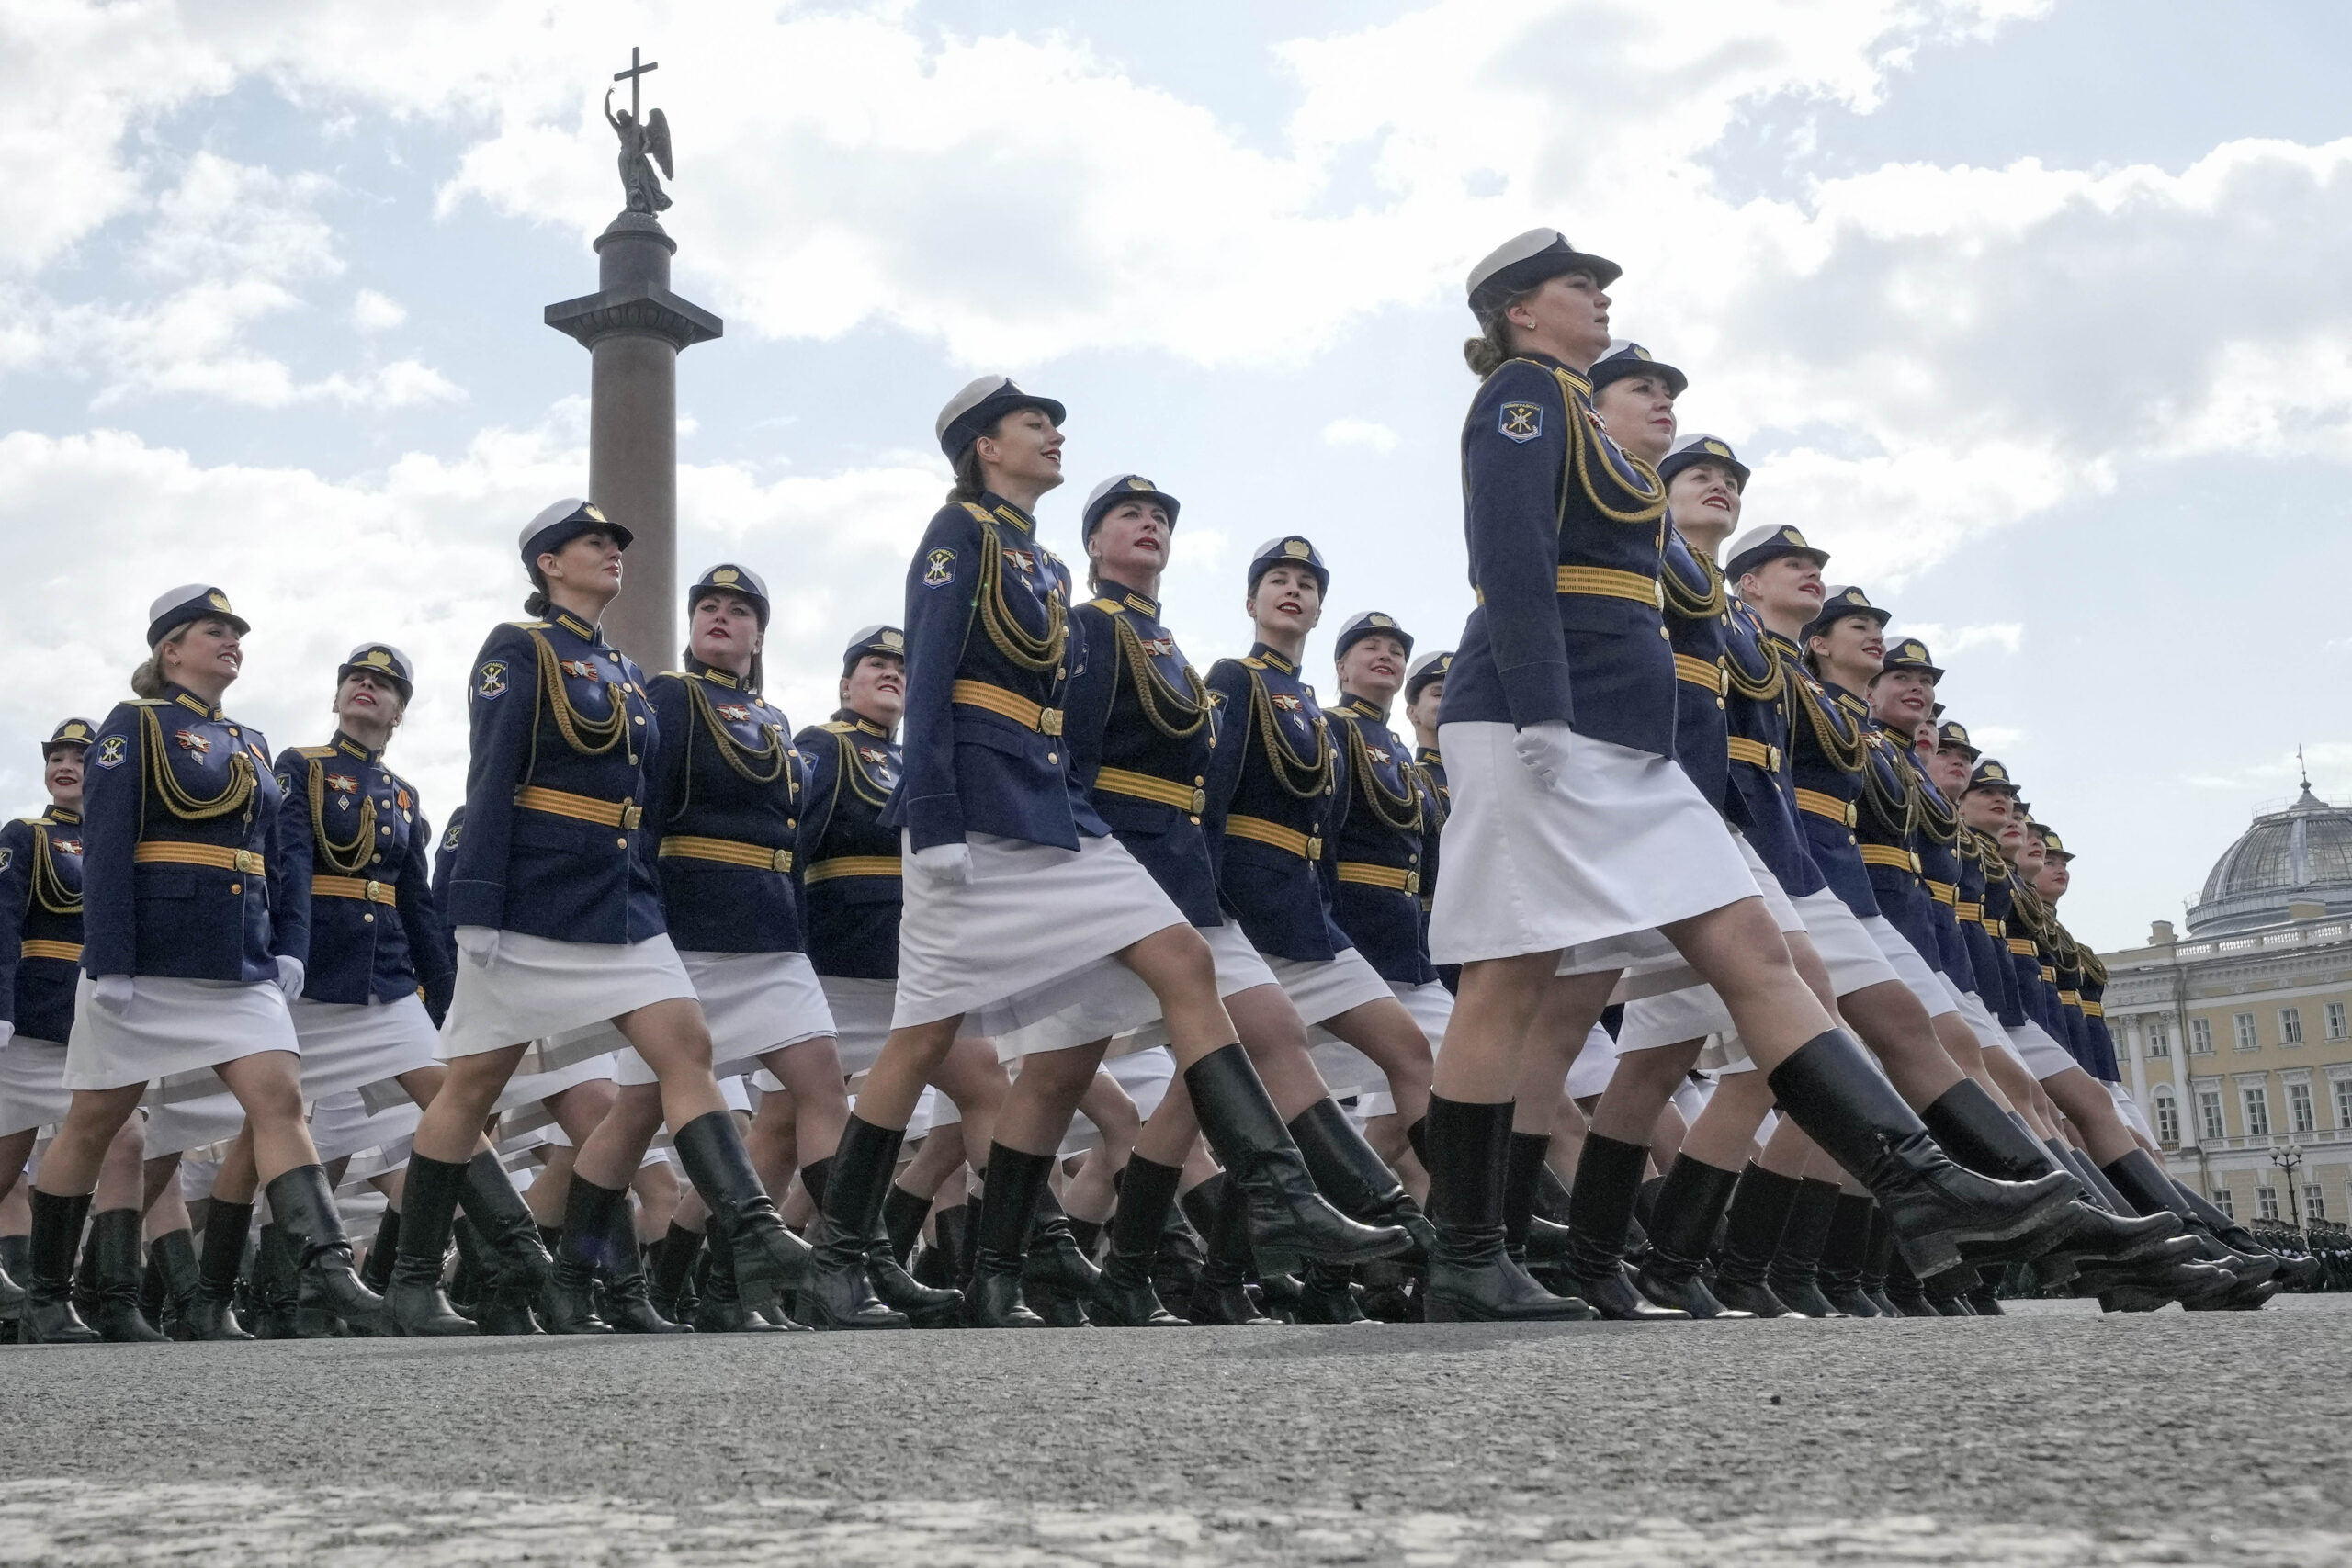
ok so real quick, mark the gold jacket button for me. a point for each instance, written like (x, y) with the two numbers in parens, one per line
(639, 717)
(236, 887)
(1052, 757)
(620, 843)
(368, 919)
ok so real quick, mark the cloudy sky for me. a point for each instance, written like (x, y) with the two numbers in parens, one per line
(2038, 315)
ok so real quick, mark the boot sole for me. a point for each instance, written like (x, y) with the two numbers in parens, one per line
(1939, 1250)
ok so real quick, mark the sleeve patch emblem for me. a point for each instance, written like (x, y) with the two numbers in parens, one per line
(112, 749)
(1522, 423)
(450, 838)
(939, 569)
(492, 682)
(6, 857)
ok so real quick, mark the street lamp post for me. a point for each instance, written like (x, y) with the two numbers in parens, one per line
(2289, 1160)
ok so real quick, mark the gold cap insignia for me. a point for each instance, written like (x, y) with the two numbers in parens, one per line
(1717, 447)
(1297, 549)
(893, 639)
(725, 574)
(1912, 650)
(1376, 619)
(379, 658)
(217, 599)
(76, 732)
(1136, 481)
(588, 510)
(1992, 771)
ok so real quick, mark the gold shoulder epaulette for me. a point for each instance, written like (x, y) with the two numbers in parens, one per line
(314, 751)
(1250, 661)
(836, 726)
(530, 625)
(1112, 604)
(151, 701)
(979, 512)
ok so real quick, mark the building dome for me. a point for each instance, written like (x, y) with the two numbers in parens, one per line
(2301, 855)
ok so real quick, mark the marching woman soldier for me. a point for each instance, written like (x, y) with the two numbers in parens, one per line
(1572, 828)
(731, 803)
(559, 923)
(1014, 888)
(40, 948)
(376, 968)
(188, 925)
(850, 872)
(1275, 798)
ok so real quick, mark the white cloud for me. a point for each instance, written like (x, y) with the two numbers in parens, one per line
(1947, 643)
(374, 312)
(1990, 738)
(1360, 433)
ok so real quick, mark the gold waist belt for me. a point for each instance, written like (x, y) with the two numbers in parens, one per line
(1257, 830)
(727, 852)
(1365, 875)
(354, 887)
(852, 865)
(1011, 704)
(579, 807)
(219, 857)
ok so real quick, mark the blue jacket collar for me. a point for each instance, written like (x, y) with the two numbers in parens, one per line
(347, 747)
(1267, 656)
(1141, 606)
(860, 723)
(191, 702)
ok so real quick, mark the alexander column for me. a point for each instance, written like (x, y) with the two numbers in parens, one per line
(633, 328)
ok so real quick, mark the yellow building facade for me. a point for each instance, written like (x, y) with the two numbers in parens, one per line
(2237, 1037)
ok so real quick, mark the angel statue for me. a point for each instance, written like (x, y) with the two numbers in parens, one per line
(642, 146)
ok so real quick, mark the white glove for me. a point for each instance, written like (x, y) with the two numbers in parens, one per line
(1545, 749)
(289, 976)
(112, 992)
(477, 944)
(951, 863)
(8, 1032)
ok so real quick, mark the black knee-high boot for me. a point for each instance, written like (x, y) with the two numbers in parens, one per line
(1975, 1131)
(1122, 1296)
(2145, 1185)
(769, 1259)
(1832, 1089)
(1472, 1277)
(673, 1263)
(1842, 1256)
(48, 1316)
(1796, 1262)
(304, 1204)
(1904, 1288)
(839, 1290)
(1759, 1212)
(114, 1244)
(937, 1262)
(1527, 1232)
(1682, 1227)
(15, 1266)
(567, 1304)
(515, 1260)
(1289, 1220)
(226, 1227)
(273, 1286)
(628, 1305)
(1352, 1174)
(1878, 1252)
(1054, 1259)
(173, 1256)
(1015, 1180)
(413, 1305)
(1219, 1210)
(1600, 1206)
(377, 1272)
(902, 1216)
(925, 1306)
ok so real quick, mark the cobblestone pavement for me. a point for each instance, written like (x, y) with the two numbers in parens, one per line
(2054, 1437)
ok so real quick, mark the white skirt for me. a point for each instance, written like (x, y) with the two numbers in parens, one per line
(753, 1002)
(174, 1026)
(1430, 1006)
(535, 988)
(1850, 954)
(1725, 1054)
(2129, 1109)
(348, 1045)
(547, 1070)
(2043, 1057)
(1145, 1075)
(200, 1127)
(1622, 844)
(1978, 1017)
(1912, 969)
(1321, 990)
(32, 1085)
(932, 1112)
(1239, 969)
(1027, 935)
(1595, 1065)
(342, 1127)
(1669, 971)
(860, 1013)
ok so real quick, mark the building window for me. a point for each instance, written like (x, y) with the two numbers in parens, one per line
(2344, 1102)
(2266, 1202)
(2221, 1202)
(2257, 1111)
(2168, 1119)
(2159, 1038)
(2339, 1025)
(2201, 1037)
(2300, 1113)
(2208, 1115)
(2315, 1201)
(2243, 1024)
(2291, 1026)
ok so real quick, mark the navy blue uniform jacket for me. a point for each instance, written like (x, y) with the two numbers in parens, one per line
(850, 863)
(355, 834)
(730, 788)
(40, 898)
